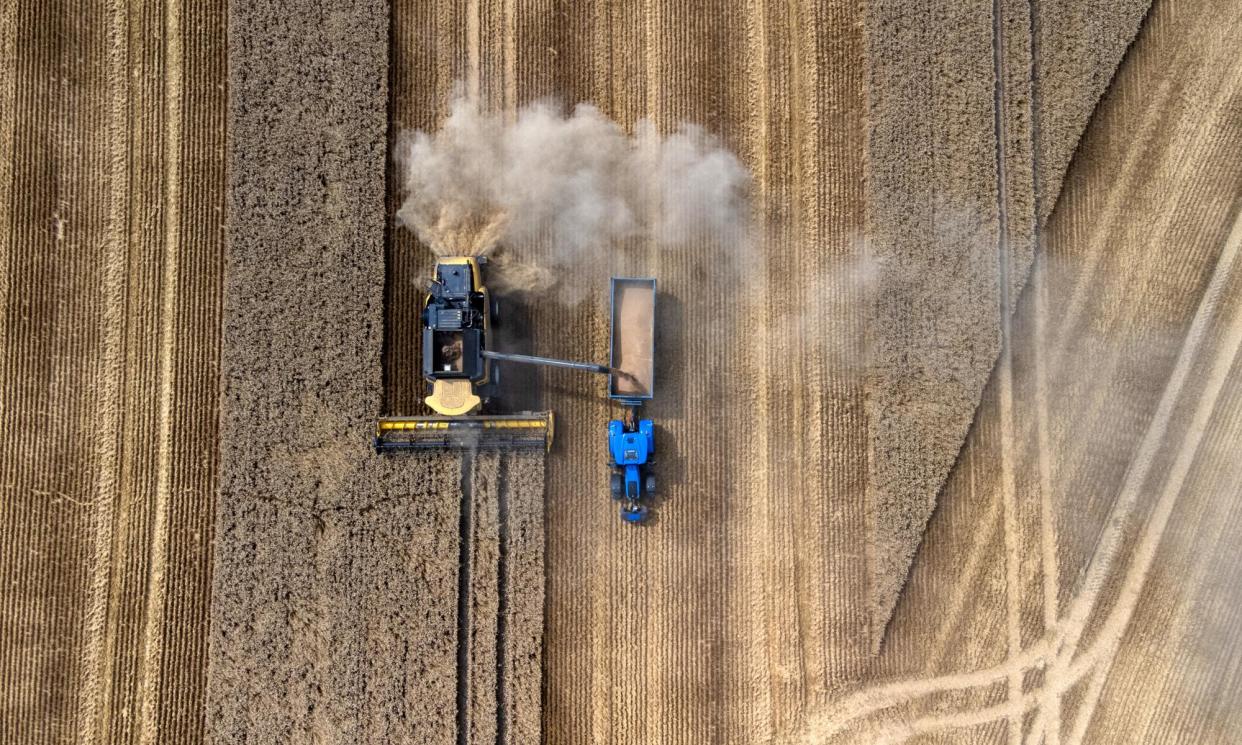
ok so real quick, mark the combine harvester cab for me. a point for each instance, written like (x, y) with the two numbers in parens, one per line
(457, 325)
(631, 441)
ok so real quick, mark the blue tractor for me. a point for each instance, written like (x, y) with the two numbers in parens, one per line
(631, 356)
(631, 443)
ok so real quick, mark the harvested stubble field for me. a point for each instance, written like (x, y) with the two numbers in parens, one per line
(954, 460)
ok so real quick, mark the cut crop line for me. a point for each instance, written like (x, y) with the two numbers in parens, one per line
(8, 155)
(1051, 708)
(153, 633)
(465, 529)
(502, 601)
(474, 23)
(509, 39)
(761, 716)
(1013, 627)
(653, 53)
(1010, 531)
(96, 669)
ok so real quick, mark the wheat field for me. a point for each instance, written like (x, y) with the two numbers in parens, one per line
(947, 447)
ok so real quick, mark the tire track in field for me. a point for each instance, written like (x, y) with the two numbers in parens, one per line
(1098, 657)
(1005, 365)
(1182, 177)
(1049, 563)
(1051, 706)
(95, 670)
(1145, 553)
(465, 542)
(1131, 490)
(154, 632)
(499, 605)
(892, 732)
(1057, 651)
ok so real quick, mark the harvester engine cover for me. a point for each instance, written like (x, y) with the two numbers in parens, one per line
(454, 325)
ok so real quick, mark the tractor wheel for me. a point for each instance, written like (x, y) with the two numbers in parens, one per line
(616, 484)
(649, 484)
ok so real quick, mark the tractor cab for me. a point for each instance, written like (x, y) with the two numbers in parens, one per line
(631, 443)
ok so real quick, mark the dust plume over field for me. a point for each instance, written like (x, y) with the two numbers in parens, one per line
(786, 451)
(575, 181)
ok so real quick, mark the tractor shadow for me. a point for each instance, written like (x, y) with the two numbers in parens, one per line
(669, 468)
(670, 360)
(668, 404)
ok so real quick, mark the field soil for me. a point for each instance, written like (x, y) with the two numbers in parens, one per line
(949, 454)
(1074, 584)
(111, 212)
(812, 394)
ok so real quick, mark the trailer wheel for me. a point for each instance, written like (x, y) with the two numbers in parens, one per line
(649, 483)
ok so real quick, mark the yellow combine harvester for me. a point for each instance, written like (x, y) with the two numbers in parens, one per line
(459, 366)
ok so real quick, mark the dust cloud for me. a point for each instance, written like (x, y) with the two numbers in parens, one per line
(546, 191)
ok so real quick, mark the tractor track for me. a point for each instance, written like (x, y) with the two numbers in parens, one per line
(1115, 587)
(503, 588)
(465, 539)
